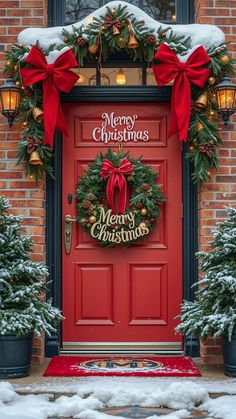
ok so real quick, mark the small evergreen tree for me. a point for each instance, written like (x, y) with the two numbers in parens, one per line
(22, 312)
(214, 311)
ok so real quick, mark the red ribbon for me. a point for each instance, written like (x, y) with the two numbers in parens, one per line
(56, 77)
(182, 73)
(116, 180)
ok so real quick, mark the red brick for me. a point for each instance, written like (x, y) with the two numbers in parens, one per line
(9, 4)
(19, 12)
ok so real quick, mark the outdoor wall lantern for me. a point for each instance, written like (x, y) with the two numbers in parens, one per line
(10, 95)
(225, 93)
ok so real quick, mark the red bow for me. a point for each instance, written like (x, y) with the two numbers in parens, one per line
(116, 179)
(55, 77)
(182, 73)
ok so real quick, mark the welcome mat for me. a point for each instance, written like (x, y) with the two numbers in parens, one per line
(76, 366)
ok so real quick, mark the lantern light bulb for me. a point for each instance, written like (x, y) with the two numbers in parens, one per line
(81, 78)
(120, 77)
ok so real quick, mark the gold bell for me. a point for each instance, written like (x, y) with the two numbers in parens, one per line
(132, 43)
(115, 31)
(93, 49)
(37, 114)
(202, 101)
(35, 159)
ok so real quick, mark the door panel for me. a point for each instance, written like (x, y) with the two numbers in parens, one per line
(129, 294)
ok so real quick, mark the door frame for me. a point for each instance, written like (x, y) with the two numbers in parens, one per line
(54, 205)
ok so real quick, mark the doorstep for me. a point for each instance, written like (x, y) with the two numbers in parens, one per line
(36, 378)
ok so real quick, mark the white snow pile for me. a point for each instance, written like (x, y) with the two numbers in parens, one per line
(222, 407)
(88, 400)
(93, 396)
(206, 35)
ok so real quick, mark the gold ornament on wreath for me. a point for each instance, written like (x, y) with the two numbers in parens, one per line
(102, 207)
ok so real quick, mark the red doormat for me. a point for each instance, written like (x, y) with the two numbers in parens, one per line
(76, 366)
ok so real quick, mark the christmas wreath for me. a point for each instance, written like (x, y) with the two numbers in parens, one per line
(111, 178)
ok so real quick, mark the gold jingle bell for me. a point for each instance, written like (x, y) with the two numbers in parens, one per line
(132, 43)
(143, 211)
(211, 80)
(212, 115)
(202, 101)
(224, 59)
(37, 114)
(92, 219)
(35, 159)
(121, 42)
(115, 31)
(142, 225)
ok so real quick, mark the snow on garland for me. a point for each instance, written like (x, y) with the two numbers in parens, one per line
(115, 27)
(96, 210)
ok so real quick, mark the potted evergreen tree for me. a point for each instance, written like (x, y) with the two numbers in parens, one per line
(22, 313)
(213, 313)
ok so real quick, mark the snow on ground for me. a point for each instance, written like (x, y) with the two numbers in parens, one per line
(72, 384)
(207, 35)
(94, 394)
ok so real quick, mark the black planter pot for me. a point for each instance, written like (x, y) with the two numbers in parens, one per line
(229, 352)
(15, 356)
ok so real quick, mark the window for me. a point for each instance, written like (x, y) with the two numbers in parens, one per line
(163, 10)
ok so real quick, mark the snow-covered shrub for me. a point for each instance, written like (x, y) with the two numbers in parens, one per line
(213, 313)
(21, 282)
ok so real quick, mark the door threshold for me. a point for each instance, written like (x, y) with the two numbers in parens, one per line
(118, 353)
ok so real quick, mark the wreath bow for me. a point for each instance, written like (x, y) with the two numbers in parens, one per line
(110, 22)
(116, 179)
(183, 73)
(55, 77)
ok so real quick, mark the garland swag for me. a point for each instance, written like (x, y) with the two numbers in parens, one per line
(115, 31)
(139, 216)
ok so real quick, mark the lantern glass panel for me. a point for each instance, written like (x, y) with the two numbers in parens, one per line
(226, 99)
(10, 99)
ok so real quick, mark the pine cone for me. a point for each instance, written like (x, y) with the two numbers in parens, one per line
(145, 186)
(86, 204)
(151, 40)
(81, 42)
(90, 196)
(30, 145)
(38, 142)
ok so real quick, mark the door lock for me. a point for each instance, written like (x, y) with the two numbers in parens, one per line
(68, 232)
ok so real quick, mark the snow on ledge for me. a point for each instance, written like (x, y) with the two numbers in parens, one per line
(206, 35)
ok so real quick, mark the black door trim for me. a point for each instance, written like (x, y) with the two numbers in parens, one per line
(54, 202)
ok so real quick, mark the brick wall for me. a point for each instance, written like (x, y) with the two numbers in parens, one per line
(221, 190)
(27, 198)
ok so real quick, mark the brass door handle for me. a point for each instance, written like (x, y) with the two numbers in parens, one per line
(68, 232)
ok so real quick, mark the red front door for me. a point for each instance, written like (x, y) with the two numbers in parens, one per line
(123, 297)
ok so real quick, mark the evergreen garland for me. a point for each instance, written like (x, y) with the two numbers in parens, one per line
(213, 313)
(94, 42)
(22, 310)
(145, 199)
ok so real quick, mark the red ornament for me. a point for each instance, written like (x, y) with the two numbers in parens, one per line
(56, 77)
(183, 73)
(81, 42)
(116, 179)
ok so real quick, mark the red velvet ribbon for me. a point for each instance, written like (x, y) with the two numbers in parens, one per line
(55, 77)
(170, 68)
(116, 179)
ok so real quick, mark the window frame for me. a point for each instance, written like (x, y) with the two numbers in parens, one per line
(56, 12)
